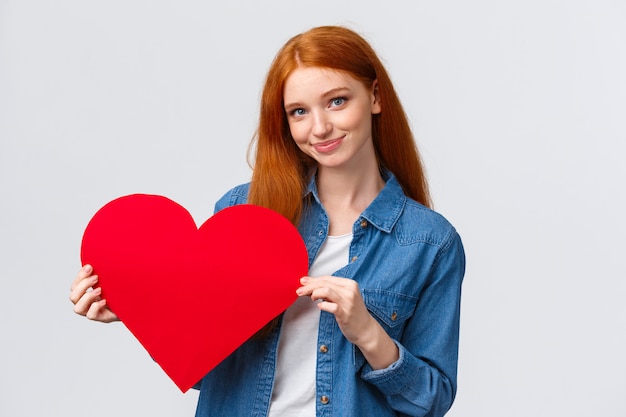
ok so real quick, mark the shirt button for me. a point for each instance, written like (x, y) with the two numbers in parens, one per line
(363, 223)
(354, 258)
(324, 399)
(323, 348)
(394, 316)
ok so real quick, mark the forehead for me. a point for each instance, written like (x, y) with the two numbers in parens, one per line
(316, 80)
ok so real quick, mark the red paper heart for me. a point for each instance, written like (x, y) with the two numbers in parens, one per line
(192, 296)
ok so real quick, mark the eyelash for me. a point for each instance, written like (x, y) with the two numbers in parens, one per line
(332, 102)
(343, 100)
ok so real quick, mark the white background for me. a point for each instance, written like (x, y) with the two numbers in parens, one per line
(519, 109)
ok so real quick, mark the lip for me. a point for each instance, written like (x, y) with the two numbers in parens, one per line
(328, 146)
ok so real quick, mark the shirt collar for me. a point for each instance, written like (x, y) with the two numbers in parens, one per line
(385, 210)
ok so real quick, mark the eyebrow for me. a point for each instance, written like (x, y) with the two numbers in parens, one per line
(335, 91)
(329, 93)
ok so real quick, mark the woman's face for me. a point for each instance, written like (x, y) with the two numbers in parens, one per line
(330, 116)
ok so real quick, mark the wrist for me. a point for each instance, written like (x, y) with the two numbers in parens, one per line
(378, 348)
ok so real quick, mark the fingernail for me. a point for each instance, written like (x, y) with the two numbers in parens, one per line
(304, 280)
(87, 269)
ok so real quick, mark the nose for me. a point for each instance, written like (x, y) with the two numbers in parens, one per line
(321, 125)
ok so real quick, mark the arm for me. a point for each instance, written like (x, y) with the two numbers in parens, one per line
(417, 373)
(423, 380)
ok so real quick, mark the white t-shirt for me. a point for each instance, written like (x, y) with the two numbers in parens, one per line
(294, 382)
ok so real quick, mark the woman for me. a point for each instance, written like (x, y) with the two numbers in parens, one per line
(375, 329)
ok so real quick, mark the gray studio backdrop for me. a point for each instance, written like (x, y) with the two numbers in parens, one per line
(518, 106)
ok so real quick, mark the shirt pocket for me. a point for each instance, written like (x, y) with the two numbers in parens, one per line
(390, 309)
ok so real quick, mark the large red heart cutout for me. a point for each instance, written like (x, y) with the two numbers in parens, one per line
(192, 295)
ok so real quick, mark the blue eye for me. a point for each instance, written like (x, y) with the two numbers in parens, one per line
(338, 101)
(298, 112)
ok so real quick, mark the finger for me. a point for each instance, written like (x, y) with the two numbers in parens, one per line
(83, 305)
(324, 293)
(82, 287)
(329, 281)
(304, 289)
(96, 310)
(100, 311)
(310, 284)
(84, 272)
(328, 307)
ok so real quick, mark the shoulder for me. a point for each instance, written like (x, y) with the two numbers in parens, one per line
(234, 196)
(420, 224)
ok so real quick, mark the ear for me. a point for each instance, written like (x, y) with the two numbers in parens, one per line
(376, 106)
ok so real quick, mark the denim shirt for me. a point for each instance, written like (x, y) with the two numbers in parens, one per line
(409, 263)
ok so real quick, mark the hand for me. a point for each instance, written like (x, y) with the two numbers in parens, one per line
(87, 300)
(342, 298)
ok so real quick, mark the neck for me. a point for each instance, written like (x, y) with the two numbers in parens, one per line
(346, 193)
(353, 189)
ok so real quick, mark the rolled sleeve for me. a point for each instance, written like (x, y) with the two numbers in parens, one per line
(422, 382)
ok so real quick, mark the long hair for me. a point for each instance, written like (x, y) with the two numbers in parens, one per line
(280, 169)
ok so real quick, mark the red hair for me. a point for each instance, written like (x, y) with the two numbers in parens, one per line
(280, 170)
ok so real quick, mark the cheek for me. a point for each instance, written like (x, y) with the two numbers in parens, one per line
(357, 119)
(298, 132)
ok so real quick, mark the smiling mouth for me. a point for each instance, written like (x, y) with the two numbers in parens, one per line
(328, 146)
